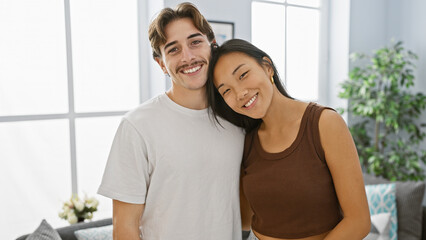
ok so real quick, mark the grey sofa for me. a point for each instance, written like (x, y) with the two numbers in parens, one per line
(424, 224)
(67, 233)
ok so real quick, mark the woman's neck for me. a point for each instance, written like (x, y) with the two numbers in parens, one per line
(283, 110)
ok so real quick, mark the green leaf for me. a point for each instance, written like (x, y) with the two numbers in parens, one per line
(386, 129)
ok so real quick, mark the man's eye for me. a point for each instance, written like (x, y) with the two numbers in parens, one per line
(243, 75)
(196, 42)
(172, 50)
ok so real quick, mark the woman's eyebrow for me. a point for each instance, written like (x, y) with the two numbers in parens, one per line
(236, 69)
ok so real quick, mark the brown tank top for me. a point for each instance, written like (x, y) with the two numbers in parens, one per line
(291, 193)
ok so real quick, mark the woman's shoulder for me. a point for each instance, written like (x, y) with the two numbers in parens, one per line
(330, 121)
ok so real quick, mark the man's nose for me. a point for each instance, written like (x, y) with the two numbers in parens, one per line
(187, 54)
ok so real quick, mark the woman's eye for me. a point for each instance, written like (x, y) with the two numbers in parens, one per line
(224, 92)
(243, 75)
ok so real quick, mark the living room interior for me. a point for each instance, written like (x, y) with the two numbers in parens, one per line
(70, 69)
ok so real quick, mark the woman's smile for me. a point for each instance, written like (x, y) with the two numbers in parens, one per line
(251, 102)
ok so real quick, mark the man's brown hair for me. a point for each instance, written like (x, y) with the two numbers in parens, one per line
(157, 36)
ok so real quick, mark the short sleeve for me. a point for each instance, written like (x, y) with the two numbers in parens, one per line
(126, 175)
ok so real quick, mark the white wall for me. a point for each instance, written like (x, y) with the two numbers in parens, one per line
(236, 11)
(338, 51)
(368, 25)
(407, 22)
(375, 23)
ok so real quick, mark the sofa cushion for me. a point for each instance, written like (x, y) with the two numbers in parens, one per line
(380, 227)
(98, 233)
(67, 233)
(409, 198)
(381, 199)
(44, 232)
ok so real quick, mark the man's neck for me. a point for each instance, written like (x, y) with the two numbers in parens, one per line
(192, 99)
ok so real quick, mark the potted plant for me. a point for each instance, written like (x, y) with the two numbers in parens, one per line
(385, 113)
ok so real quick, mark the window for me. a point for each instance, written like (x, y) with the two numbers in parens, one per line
(66, 78)
(290, 32)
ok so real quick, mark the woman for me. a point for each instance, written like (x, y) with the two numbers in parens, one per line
(300, 172)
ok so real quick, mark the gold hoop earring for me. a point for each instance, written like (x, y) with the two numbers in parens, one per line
(272, 80)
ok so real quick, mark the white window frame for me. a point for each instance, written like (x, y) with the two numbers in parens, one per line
(323, 48)
(150, 81)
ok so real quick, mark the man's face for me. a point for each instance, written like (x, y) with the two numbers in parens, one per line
(185, 55)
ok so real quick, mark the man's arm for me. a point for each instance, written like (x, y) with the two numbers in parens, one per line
(126, 219)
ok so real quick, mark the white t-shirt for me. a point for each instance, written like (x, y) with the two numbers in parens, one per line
(182, 166)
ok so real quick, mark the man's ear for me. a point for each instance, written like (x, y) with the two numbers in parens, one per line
(214, 43)
(268, 66)
(161, 64)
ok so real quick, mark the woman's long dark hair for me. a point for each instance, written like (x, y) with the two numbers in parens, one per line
(216, 101)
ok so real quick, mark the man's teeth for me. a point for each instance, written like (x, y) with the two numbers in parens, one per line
(251, 101)
(191, 70)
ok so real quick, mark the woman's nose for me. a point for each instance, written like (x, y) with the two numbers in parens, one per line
(242, 94)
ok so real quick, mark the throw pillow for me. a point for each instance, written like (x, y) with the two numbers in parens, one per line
(381, 199)
(380, 227)
(98, 233)
(409, 198)
(44, 232)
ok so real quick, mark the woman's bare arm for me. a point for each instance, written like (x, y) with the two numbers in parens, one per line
(342, 159)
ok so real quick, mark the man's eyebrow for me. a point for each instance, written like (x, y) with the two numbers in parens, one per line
(194, 35)
(236, 69)
(169, 44)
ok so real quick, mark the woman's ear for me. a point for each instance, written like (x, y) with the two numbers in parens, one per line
(268, 66)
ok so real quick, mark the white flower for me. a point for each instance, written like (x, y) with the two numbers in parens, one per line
(74, 199)
(92, 202)
(66, 209)
(88, 215)
(71, 217)
(76, 208)
(79, 206)
(68, 204)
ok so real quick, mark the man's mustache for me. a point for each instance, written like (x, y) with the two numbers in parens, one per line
(192, 64)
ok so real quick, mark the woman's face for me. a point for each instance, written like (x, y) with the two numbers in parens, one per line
(244, 84)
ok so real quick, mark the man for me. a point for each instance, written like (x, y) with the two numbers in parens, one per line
(172, 173)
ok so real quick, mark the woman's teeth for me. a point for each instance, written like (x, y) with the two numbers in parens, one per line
(191, 70)
(251, 101)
